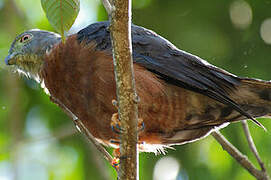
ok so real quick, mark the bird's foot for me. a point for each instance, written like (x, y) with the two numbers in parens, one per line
(117, 156)
(116, 160)
(140, 125)
(116, 124)
(115, 103)
(116, 163)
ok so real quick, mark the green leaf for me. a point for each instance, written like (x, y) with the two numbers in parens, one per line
(61, 13)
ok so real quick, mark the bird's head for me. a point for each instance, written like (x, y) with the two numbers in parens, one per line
(28, 49)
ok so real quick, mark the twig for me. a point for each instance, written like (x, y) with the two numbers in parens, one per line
(81, 127)
(120, 31)
(251, 144)
(240, 158)
(108, 7)
(253, 147)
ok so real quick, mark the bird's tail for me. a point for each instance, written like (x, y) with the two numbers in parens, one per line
(251, 95)
(254, 96)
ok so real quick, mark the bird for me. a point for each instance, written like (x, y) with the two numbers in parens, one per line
(183, 98)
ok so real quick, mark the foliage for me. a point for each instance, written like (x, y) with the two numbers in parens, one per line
(61, 13)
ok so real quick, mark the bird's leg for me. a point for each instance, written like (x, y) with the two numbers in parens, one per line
(116, 127)
(116, 124)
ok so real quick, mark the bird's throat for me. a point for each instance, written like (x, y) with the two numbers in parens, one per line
(29, 65)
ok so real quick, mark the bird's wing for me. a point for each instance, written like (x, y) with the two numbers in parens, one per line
(171, 64)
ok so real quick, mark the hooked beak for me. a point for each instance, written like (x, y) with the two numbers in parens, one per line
(10, 60)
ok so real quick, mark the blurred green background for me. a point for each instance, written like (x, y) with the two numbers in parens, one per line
(38, 141)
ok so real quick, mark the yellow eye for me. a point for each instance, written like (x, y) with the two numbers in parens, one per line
(25, 38)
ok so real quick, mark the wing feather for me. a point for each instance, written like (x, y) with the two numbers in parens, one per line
(171, 64)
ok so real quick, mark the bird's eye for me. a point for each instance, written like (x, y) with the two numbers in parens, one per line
(25, 38)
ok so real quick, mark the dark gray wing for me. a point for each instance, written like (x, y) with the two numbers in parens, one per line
(170, 64)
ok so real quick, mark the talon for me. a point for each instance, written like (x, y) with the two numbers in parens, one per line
(116, 160)
(141, 125)
(116, 129)
(115, 163)
(115, 123)
(115, 103)
(112, 141)
(116, 153)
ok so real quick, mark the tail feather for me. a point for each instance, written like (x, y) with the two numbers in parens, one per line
(254, 96)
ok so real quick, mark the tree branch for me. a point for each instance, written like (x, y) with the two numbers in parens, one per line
(253, 147)
(120, 29)
(240, 158)
(108, 7)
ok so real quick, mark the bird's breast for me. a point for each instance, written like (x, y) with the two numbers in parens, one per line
(82, 78)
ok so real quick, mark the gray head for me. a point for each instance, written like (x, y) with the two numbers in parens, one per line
(28, 49)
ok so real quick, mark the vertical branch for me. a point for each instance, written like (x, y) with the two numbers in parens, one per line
(120, 29)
